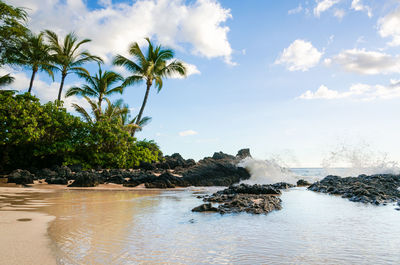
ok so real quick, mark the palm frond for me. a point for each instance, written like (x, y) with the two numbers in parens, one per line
(6, 80)
(83, 112)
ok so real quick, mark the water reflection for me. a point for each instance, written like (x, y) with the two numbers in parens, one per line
(143, 227)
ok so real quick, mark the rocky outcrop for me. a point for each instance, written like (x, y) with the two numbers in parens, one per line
(255, 199)
(20, 176)
(175, 161)
(219, 170)
(85, 179)
(207, 207)
(57, 180)
(303, 183)
(375, 189)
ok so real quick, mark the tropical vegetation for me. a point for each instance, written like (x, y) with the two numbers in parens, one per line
(36, 135)
(158, 63)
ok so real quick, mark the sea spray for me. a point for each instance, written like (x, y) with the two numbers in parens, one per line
(267, 172)
(358, 159)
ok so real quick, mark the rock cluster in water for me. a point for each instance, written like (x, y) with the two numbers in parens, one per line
(375, 189)
(219, 170)
(255, 199)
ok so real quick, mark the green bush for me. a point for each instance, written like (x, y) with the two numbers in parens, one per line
(33, 135)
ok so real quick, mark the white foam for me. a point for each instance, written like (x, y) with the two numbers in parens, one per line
(267, 172)
(358, 159)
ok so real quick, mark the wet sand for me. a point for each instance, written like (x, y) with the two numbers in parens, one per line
(23, 233)
(24, 237)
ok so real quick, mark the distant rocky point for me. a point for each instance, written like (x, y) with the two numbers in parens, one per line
(173, 171)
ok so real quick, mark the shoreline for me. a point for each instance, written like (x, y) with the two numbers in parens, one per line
(109, 186)
(24, 237)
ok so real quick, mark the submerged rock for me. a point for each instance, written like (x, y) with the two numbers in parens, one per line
(256, 199)
(302, 183)
(207, 207)
(375, 189)
(20, 176)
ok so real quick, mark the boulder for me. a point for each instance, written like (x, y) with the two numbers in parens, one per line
(85, 179)
(243, 153)
(116, 179)
(207, 207)
(175, 161)
(57, 180)
(46, 173)
(256, 199)
(252, 189)
(219, 171)
(20, 176)
(302, 183)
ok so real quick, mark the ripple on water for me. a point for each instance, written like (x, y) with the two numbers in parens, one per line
(119, 227)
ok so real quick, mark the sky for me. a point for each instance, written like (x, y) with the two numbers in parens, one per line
(293, 80)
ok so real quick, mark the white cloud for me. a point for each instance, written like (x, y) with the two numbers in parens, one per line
(113, 27)
(300, 55)
(322, 93)
(357, 5)
(295, 10)
(389, 26)
(367, 62)
(187, 133)
(339, 13)
(358, 91)
(324, 5)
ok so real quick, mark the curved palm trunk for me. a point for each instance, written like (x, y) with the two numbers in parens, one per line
(61, 87)
(139, 117)
(32, 78)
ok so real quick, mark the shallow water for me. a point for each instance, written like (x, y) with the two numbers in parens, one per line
(144, 227)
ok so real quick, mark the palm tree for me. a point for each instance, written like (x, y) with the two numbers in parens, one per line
(158, 63)
(131, 125)
(6, 80)
(35, 54)
(99, 86)
(68, 57)
(113, 111)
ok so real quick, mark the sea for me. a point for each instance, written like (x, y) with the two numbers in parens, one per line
(158, 227)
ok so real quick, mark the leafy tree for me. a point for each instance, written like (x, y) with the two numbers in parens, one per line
(12, 28)
(34, 53)
(99, 86)
(158, 63)
(36, 135)
(33, 135)
(68, 57)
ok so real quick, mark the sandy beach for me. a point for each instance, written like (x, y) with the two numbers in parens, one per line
(23, 233)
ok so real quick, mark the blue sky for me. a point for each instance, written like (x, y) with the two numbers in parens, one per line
(288, 79)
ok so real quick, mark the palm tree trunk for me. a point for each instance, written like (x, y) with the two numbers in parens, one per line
(32, 78)
(61, 87)
(139, 117)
